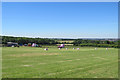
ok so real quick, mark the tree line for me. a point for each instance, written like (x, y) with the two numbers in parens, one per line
(96, 43)
(47, 41)
(25, 40)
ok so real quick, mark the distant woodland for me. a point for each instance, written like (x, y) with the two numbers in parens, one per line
(75, 42)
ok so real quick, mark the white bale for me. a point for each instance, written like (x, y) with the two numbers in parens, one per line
(66, 48)
(59, 48)
(106, 48)
(73, 48)
(78, 48)
(12, 46)
(46, 49)
(95, 48)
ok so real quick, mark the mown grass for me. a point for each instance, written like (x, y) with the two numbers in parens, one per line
(30, 62)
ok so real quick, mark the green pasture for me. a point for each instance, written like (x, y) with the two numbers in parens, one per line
(33, 62)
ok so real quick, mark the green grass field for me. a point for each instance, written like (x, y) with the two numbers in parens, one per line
(31, 62)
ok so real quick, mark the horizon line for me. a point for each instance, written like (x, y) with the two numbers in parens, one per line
(65, 37)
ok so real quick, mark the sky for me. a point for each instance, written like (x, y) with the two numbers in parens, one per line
(60, 0)
(60, 19)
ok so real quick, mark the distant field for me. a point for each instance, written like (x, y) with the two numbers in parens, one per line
(67, 41)
(66, 44)
(31, 62)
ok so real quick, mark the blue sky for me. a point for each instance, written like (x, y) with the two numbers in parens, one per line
(60, 20)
